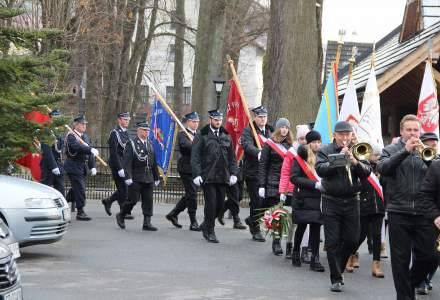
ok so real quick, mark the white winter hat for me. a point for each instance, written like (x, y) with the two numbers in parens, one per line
(302, 130)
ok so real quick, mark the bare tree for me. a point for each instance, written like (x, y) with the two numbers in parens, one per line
(293, 60)
(179, 16)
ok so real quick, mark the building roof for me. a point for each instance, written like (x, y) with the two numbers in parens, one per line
(389, 52)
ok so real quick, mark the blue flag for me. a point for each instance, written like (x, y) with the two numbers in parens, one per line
(328, 110)
(162, 135)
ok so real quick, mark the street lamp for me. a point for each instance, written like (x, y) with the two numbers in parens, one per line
(218, 85)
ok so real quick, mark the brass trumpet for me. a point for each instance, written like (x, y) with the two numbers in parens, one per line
(361, 151)
(427, 153)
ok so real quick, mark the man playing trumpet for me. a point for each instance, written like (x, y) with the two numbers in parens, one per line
(341, 173)
(409, 230)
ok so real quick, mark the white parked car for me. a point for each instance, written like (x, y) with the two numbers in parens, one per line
(35, 213)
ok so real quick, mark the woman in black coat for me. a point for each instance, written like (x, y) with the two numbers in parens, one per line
(269, 170)
(306, 206)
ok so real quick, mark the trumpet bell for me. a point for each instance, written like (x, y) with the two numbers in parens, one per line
(362, 151)
(428, 153)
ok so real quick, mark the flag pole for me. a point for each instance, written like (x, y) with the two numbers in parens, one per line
(351, 62)
(170, 111)
(243, 100)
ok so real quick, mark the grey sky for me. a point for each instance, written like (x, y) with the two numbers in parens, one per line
(370, 19)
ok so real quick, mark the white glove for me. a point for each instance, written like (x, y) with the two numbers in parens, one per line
(95, 152)
(56, 171)
(261, 192)
(283, 197)
(157, 182)
(93, 171)
(121, 173)
(129, 181)
(259, 155)
(232, 180)
(198, 180)
(318, 185)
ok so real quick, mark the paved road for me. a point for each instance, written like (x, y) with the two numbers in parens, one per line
(97, 260)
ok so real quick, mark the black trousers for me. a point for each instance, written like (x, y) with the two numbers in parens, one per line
(78, 190)
(138, 190)
(314, 237)
(234, 194)
(57, 182)
(371, 224)
(214, 195)
(120, 194)
(341, 230)
(189, 199)
(409, 233)
(255, 203)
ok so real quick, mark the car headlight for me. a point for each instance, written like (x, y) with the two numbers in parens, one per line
(39, 203)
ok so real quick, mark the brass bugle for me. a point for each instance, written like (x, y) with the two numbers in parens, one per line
(427, 153)
(361, 151)
(438, 243)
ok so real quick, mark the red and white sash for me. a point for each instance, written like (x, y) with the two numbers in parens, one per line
(278, 148)
(374, 181)
(262, 139)
(311, 174)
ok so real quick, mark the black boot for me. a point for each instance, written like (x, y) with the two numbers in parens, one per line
(296, 259)
(82, 216)
(211, 237)
(147, 224)
(72, 206)
(194, 226)
(172, 217)
(315, 265)
(276, 247)
(288, 250)
(305, 257)
(248, 222)
(107, 206)
(120, 220)
(238, 224)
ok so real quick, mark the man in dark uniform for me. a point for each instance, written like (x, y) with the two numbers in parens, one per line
(410, 232)
(117, 141)
(341, 175)
(234, 195)
(213, 165)
(250, 168)
(141, 175)
(77, 154)
(189, 199)
(52, 171)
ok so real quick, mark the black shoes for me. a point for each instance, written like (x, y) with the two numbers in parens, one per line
(276, 247)
(82, 216)
(315, 265)
(296, 259)
(173, 219)
(208, 234)
(147, 226)
(72, 206)
(288, 250)
(221, 217)
(194, 226)
(258, 237)
(237, 224)
(107, 206)
(336, 287)
(120, 220)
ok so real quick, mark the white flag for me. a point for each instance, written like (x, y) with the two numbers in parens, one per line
(427, 111)
(349, 108)
(370, 125)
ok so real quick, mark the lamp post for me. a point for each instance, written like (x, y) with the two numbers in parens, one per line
(218, 85)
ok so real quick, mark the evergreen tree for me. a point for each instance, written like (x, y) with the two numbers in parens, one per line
(29, 74)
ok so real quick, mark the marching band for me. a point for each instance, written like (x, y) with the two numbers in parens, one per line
(334, 185)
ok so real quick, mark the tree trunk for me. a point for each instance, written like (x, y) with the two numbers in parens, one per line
(208, 55)
(179, 57)
(293, 61)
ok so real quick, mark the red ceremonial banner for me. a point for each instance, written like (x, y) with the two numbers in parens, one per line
(32, 160)
(236, 119)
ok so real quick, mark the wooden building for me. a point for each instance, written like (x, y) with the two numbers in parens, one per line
(400, 62)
